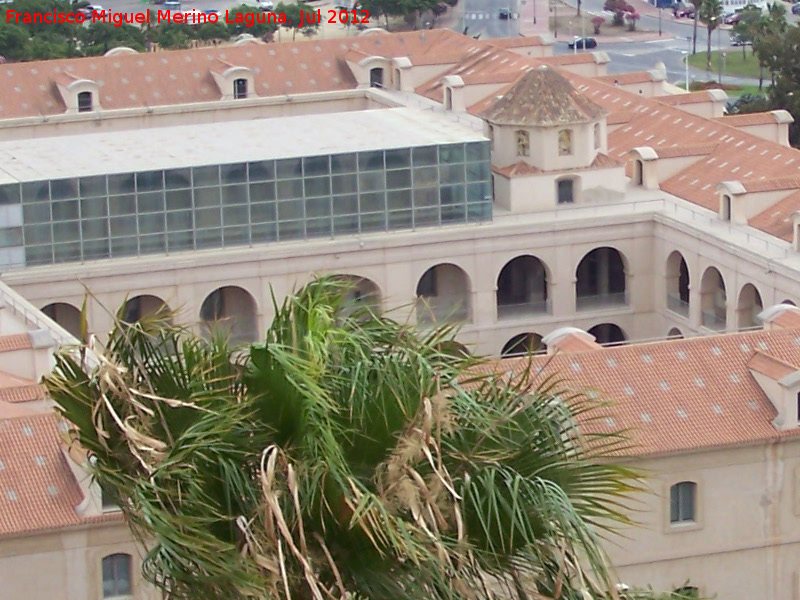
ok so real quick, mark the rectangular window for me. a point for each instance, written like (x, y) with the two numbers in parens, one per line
(682, 502)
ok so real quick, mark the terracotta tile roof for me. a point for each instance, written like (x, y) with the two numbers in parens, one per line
(604, 161)
(518, 169)
(523, 169)
(628, 78)
(619, 116)
(9, 410)
(543, 97)
(690, 98)
(788, 319)
(773, 184)
(680, 151)
(678, 395)
(37, 488)
(16, 341)
(17, 389)
(770, 366)
(777, 219)
(765, 118)
(516, 42)
(572, 59)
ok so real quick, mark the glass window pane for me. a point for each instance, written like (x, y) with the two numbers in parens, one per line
(345, 225)
(373, 202)
(35, 192)
(344, 184)
(207, 218)
(424, 156)
(370, 161)
(209, 238)
(37, 234)
(94, 228)
(180, 240)
(479, 212)
(477, 192)
(234, 194)
(426, 216)
(400, 219)
(234, 173)
(151, 223)
(10, 194)
(122, 205)
(453, 194)
(478, 171)
(150, 202)
(674, 505)
(96, 249)
(261, 171)
(316, 165)
(398, 179)
(205, 176)
(121, 184)
(262, 212)
(176, 179)
(289, 168)
(345, 205)
(63, 189)
(124, 246)
(180, 221)
(454, 214)
(264, 232)
(179, 199)
(36, 213)
(92, 208)
(426, 176)
(66, 232)
(262, 191)
(234, 236)
(206, 197)
(371, 182)
(10, 236)
(318, 186)
(39, 255)
(123, 226)
(374, 222)
(426, 197)
(92, 187)
(67, 252)
(400, 199)
(150, 181)
(235, 215)
(398, 159)
(478, 151)
(291, 230)
(152, 243)
(343, 163)
(451, 173)
(451, 154)
(318, 207)
(65, 210)
(290, 210)
(289, 189)
(318, 227)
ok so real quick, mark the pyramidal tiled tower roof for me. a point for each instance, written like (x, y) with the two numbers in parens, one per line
(543, 98)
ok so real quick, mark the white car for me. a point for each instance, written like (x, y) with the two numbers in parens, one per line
(89, 10)
(265, 5)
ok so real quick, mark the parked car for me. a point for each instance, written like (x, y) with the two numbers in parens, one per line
(504, 13)
(265, 5)
(210, 11)
(796, 9)
(738, 41)
(684, 11)
(583, 43)
(732, 19)
(89, 10)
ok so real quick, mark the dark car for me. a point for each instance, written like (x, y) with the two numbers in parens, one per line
(504, 13)
(583, 43)
(796, 9)
(684, 12)
(732, 19)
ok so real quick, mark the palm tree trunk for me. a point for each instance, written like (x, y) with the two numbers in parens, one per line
(694, 34)
(708, 51)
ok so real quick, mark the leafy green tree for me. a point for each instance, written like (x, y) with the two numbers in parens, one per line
(257, 29)
(747, 27)
(711, 15)
(172, 35)
(294, 13)
(15, 41)
(698, 4)
(346, 456)
(214, 31)
(101, 37)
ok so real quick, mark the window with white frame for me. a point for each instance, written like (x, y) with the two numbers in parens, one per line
(682, 502)
(116, 575)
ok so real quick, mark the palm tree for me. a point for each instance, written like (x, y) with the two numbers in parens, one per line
(698, 4)
(711, 15)
(347, 456)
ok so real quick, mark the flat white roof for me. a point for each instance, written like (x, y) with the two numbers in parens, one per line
(83, 155)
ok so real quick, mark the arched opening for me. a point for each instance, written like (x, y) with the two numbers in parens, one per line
(600, 280)
(85, 102)
(359, 294)
(376, 77)
(443, 294)
(65, 315)
(677, 284)
(398, 82)
(116, 575)
(448, 98)
(143, 306)
(675, 334)
(726, 208)
(522, 344)
(713, 300)
(565, 190)
(522, 288)
(232, 311)
(523, 143)
(638, 172)
(789, 302)
(239, 89)
(748, 308)
(598, 141)
(608, 333)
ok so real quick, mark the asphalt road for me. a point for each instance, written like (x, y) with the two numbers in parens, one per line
(482, 17)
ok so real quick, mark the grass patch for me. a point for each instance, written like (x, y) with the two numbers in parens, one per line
(733, 64)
